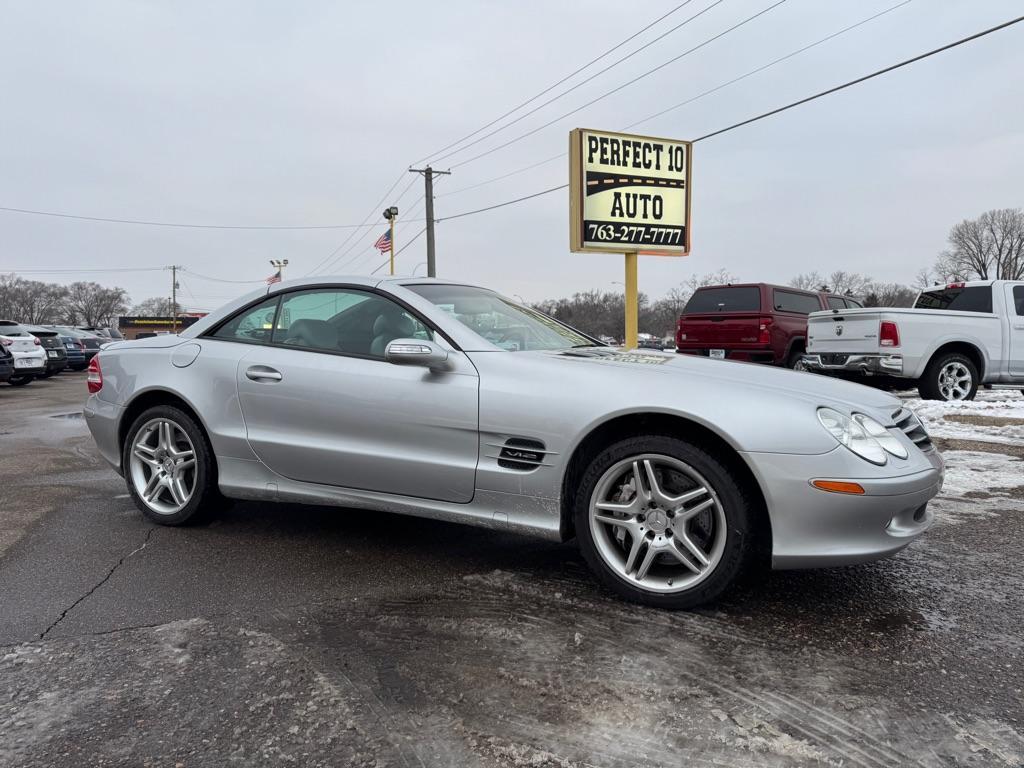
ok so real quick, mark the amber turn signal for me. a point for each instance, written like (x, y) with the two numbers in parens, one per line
(838, 486)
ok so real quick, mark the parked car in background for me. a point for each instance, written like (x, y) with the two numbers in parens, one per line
(56, 354)
(27, 351)
(6, 363)
(754, 322)
(91, 343)
(956, 337)
(74, 348)
(415, 396)
(106, 333)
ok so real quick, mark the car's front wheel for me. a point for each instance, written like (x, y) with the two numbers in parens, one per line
(663, 522)
(169, 467)
(19, 381)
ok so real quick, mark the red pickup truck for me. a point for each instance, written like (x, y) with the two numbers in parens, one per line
(756, 322)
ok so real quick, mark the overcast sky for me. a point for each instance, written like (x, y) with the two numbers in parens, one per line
(305, 113)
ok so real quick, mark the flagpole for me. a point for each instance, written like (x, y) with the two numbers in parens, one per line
(392, 223)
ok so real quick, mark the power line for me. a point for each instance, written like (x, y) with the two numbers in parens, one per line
(411, 241)
(360, 255)
(580, 84)
(218, 279)
(360, 226)
(176, 224)
(865, 78)
(564, 79)
(701, 95)
(326, 265)
(778, 110)
(615, 90)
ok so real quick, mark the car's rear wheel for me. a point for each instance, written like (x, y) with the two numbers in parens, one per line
(19, 381)
(663, 522)
(952, 376)
(169, 467)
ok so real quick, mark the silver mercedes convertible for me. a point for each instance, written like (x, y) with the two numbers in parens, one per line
(424, 397)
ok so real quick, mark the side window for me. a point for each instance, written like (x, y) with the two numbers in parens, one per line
(854, 304)
(1018, 299)
(801, 303)
(252, 325)
(344, 320)
(836, 302)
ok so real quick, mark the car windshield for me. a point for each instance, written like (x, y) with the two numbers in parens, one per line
(502, 322)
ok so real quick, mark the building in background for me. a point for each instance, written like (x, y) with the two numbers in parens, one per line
(132, 326)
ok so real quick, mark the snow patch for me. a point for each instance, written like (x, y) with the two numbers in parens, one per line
(979, 484)
(999, 404)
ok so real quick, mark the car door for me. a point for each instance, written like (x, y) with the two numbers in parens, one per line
(1015, 313)
(322, 405)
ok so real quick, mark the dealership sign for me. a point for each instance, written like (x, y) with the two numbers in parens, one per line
(628, 193)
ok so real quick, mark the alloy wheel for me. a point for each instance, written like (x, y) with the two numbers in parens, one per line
(954, 381)
(163, 466)
(657, 523)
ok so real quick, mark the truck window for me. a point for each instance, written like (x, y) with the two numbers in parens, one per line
(745, 298)
(836, 302)
(1018, 299)
(854, 304)
(801, 303)
(975, 298)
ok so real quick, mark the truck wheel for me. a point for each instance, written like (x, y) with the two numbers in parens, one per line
(952, 376)
(796, 360)
(19, 381)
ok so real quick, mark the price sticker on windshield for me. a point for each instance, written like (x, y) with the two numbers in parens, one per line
(629, 193)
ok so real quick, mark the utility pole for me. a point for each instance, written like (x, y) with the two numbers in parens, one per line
(174, 296)
(428, 195)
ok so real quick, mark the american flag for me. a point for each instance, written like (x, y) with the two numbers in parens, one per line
(383, 243)
(274, 278)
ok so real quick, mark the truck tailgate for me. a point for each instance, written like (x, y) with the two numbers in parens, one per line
(843, 331)
(720, 328)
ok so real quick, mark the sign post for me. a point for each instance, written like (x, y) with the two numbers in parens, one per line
(629, 194)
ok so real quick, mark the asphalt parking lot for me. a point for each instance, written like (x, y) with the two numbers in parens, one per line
(301, 636)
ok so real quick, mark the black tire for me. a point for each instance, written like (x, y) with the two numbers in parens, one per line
(735, 500)
(20, 381)
(795, 356)
(206, 498)
(929, 387)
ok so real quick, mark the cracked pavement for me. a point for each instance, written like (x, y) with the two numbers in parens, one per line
(295, 635)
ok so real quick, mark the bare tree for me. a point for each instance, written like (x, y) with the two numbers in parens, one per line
(889, 295)
(990, 247)
(840, 281)
(30, 301)
(156, 306)
(92, 304)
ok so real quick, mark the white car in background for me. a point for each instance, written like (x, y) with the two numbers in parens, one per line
(29, 355)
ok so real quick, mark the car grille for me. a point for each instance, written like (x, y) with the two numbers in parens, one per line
(907, 421)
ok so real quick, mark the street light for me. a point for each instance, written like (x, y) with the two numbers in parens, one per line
(391, 214)
(279, 265)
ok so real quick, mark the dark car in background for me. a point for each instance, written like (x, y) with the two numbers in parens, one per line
(91, 343)
(56, 355)
(6, 364)
(753, 322)
(111, 334)
(75, 350)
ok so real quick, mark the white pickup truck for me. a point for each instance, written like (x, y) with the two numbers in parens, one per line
(956, 337)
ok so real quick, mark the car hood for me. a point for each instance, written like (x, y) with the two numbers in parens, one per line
(813, 388)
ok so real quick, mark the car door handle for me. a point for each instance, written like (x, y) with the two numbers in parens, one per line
(262, 373)
(1019, 327)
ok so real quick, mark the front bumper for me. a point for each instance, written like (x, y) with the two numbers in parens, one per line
(813, 528)
(872, 364)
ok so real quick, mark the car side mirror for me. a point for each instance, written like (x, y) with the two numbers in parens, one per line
(415, 352)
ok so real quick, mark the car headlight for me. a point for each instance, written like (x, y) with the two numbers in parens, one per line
(853, 435)
(882, 436)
